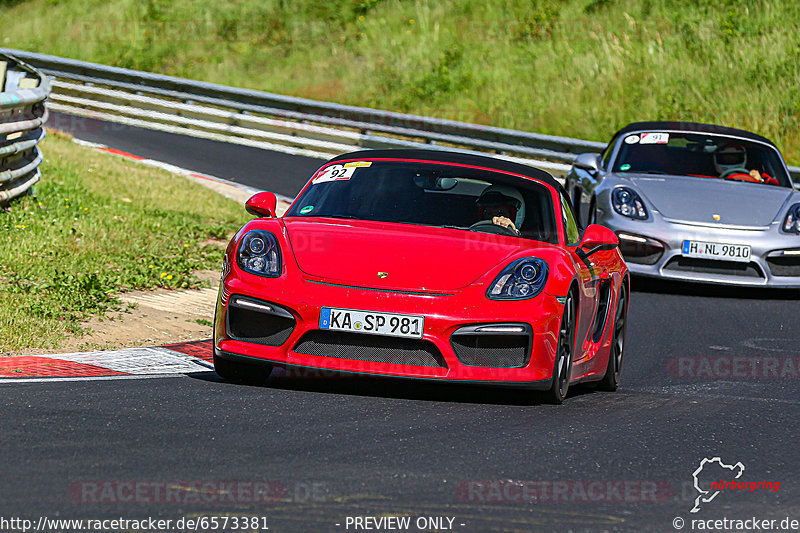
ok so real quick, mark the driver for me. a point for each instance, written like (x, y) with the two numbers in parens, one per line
(730, 160)
(503, 205)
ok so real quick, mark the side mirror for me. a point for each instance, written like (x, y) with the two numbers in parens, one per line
(262, 204)
(589, 162)
(596, 238)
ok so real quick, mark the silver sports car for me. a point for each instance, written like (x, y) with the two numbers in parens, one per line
(694, 202)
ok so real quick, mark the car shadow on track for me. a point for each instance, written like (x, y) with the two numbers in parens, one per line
(709, 290)
(403, 389)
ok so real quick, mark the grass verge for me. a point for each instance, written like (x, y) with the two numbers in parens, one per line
(580, 68)
(99, 225)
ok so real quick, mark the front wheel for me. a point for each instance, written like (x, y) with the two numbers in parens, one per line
(562, 371)
(610, 381)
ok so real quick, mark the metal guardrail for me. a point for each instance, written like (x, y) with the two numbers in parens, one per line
(262, 119)
(23, 91)
(267, 120)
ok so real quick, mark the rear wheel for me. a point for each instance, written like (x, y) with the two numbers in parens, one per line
(610, 381)
(562, 370)
(241, 372)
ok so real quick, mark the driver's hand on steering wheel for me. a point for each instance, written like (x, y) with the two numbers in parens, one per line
(506, 223)
(757, 175)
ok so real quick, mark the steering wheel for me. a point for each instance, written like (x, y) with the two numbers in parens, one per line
(487, 226)
(734, 171)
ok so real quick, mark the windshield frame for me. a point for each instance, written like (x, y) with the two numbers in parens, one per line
(620, 139)
(553, 193)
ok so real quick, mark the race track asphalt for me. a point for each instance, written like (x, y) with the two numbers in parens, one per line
(321, 450)
(284, 173)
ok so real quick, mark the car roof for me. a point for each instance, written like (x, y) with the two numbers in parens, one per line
(695, 127)
(460, 158)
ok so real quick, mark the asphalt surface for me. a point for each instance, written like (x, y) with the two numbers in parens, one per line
(285, 174)
(325, 449)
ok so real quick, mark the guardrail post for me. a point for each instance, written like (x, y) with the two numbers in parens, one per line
(23, 91)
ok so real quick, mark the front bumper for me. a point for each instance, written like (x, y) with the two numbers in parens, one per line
(767, 261)
(435, 356)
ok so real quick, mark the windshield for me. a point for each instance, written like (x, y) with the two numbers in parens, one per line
(700, 155)
(429, 194)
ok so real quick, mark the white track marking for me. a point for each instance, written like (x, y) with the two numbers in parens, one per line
(19, 381)
(559, 168)
(144, 361)
(274, 147)
(193, 175)
(137, 363)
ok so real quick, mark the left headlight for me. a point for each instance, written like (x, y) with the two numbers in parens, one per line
(791, 224)
(259, 254)
(628, 203)
(522, 279)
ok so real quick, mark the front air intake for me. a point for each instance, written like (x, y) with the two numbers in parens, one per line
(259, 322)
(493, 345)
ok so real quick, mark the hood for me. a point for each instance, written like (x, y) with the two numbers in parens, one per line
(352, 252)
(697, 200)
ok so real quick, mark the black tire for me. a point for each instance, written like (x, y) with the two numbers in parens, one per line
(241, 372)
(562, 370)
(610, 381)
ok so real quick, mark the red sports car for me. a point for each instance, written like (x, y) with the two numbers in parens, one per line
(425, 264)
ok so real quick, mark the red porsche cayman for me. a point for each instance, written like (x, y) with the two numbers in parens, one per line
(429, 265)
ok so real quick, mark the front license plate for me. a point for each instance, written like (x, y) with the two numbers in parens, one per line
(368, 322)
(716, 250)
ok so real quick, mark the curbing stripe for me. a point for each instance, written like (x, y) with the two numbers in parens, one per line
(140, 361)
(44, 366)
(17, 381)
(129, 363)
(175, 169)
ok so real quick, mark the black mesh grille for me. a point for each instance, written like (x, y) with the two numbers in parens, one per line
(784, 266)
(258, 327)
(498, 351)
(710, 266)
(364, 347)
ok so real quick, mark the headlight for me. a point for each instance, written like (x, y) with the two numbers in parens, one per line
(627, 203)
(791, 224)
(259, 254)
(522, 279)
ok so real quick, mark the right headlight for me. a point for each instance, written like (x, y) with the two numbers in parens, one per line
(522, 279)
(791, 224)
(259, 254)
(628, 203)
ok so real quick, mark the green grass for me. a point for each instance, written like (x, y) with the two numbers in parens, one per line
(580, 68)
(99, 225)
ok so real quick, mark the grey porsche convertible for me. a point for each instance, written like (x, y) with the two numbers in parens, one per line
(694, 202)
